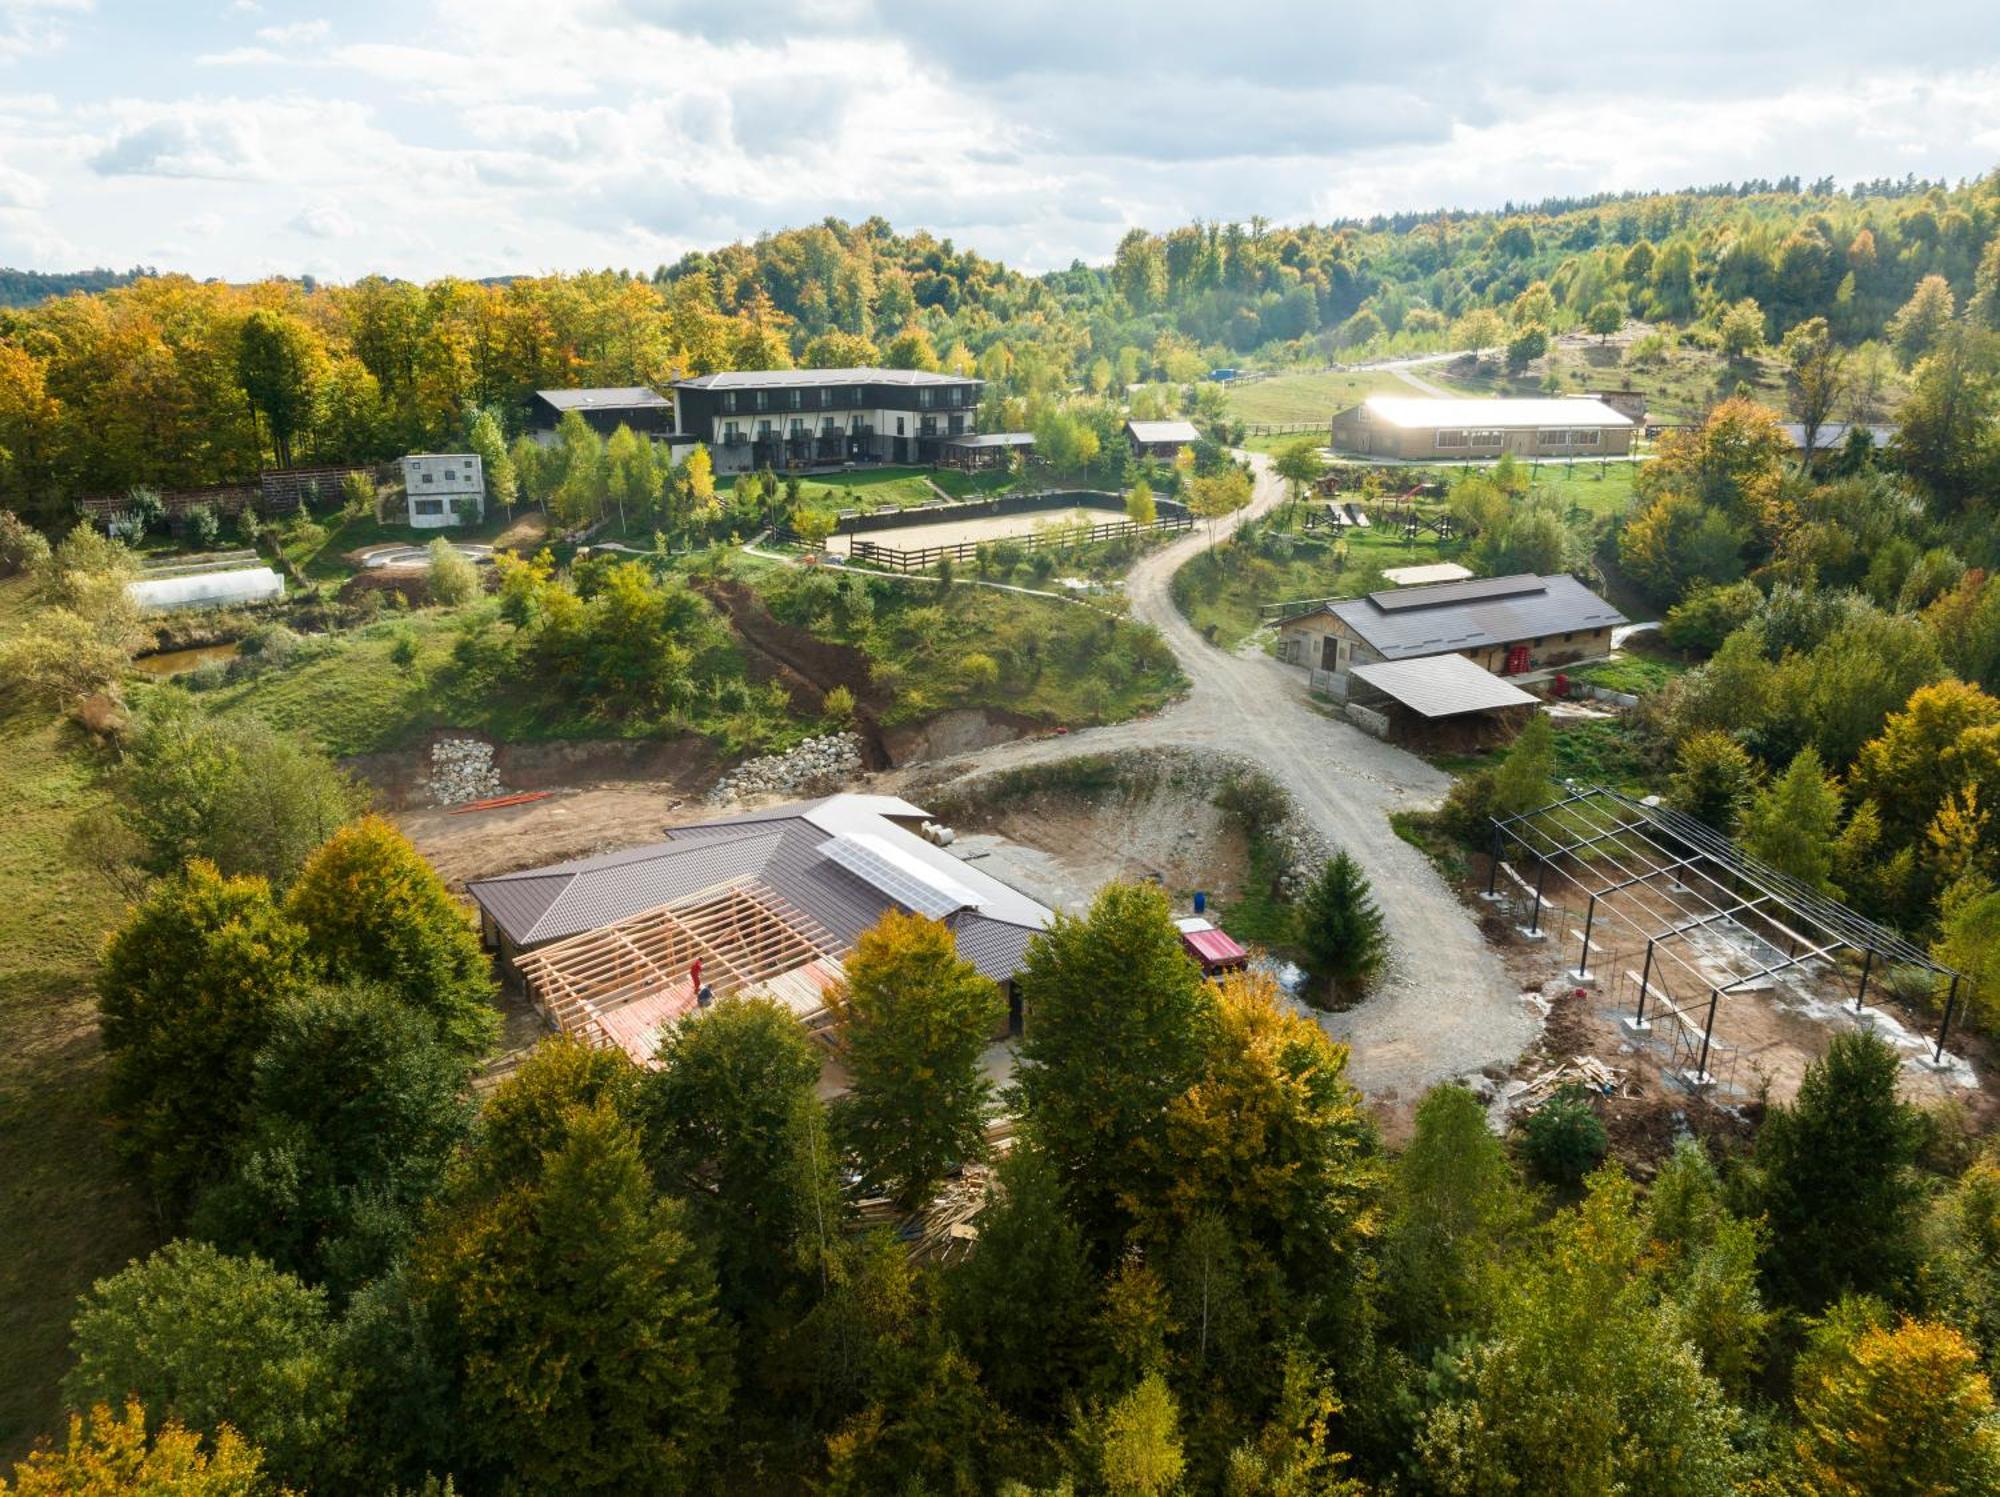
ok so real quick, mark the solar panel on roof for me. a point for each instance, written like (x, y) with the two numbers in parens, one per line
(913, 884)
(1395, 600)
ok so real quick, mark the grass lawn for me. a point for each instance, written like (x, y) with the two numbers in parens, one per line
(868, 489)
(1603, 491)
(1640, 675)
(1679, 387)
(1223, 588)
(67, 1214)
(1307, 396)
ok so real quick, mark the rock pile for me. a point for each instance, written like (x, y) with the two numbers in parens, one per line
(462, 770)
(1301, 855)
(816, 764)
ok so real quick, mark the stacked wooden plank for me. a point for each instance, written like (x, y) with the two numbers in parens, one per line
(1579, 1070)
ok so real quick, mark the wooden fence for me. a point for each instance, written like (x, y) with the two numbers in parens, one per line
(922, 559)
(1285, 428)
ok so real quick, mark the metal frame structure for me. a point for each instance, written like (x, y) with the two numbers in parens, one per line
(1607, 844)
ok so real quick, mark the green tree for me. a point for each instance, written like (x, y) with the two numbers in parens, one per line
(1792, 824)
(1714, 779)
(1521, 783)
(215, 1342)
(483, 436)
(835, 349)
(1029, 1347)
(112, 1456)
(1741, 329)
(1584, 1385)
(1816, 377)
(1915, 330)
(375, 912)
(1301, 466)
(1563, 1139)
(915, 1018)
(813, 526)
(910, 349)
(1454, 1210)
(450, 574)
(1605, 318)
(355, 1108)
(1835, 1177)
(1117, 1018)
(1340, 927)
(186, 996)
(632, 476)
(589, 1354)
(733, 1127)
(1711, 1272)
(1139, 506)
(1900, 1411)
(1945, 433)
(275, 362)
(1525, 346)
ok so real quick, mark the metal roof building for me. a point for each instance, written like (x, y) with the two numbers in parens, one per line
(1405, 623)
(1442, 686)
(1160, 438)
(605, 408)
(1502, 413)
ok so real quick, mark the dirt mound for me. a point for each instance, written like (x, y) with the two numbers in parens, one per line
(685, 765)
(413, 583)
(959, 731)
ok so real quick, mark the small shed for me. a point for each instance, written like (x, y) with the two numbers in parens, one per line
(1160, 438)
(1440, 699)
(1212, 949)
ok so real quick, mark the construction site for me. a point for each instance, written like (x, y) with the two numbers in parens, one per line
(1679, 966)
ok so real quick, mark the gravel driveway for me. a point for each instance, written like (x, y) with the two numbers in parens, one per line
(1446, 1007)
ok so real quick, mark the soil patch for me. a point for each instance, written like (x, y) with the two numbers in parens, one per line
(959, 731)
(683, 766)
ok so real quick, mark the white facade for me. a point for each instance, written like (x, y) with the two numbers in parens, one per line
(442, 486)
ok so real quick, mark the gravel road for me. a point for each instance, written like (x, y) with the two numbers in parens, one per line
(1447, 1006)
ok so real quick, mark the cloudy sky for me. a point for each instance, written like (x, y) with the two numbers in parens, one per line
(479, 137)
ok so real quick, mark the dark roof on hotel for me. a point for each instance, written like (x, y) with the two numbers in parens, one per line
(778, 379)
(783, 848)
(1406, 622)
(605, 398)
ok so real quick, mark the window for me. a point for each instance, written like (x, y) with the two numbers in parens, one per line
(731, 434)
(958, 395)
(825, 396)
(428, 476)
(798, 400)
(1552, 438)
(1483, 438)
(854, 395)
(798, 427)
(763, 431)
(899, 426)
(927, 427)
(957, 425)
(1451, 439)
(826, 426)
(429, 506)
(1586, 438)
(451, 475)
(763, 400)
(926, 397)
(729, 402)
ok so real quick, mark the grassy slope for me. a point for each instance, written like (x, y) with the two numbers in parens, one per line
(1678, 388)
(893, 488)
(66, 1214)
(1308, 397)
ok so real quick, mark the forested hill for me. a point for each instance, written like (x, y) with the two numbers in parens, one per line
(147, 382)
(30, 288)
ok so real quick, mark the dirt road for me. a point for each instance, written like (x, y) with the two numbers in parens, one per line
(1447, 1006)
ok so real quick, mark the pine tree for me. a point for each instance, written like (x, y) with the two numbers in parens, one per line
(1340, 927)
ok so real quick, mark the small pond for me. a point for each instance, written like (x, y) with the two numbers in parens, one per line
(177, 662)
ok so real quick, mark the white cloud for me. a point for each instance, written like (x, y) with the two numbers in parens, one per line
(295, 34)
(19, 190)
(237, 57)
(30, 26)
(324, 221)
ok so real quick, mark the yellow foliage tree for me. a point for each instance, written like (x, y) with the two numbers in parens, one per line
(110, 1456)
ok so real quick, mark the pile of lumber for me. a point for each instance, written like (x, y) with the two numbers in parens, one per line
(1579, 1070)
(943, 1231)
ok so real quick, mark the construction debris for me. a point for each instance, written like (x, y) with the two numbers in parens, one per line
(1579, 1070)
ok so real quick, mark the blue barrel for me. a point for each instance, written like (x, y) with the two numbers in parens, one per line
(1200, 901)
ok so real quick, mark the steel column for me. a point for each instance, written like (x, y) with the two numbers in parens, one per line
(1950, 1003)
(1645, 980)
(1583, 956)
(1535, 918)
(1714, 1002)
(1867, 966)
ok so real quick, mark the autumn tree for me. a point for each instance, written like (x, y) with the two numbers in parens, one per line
(1139, 506)
(215, 1342)
(1835, 1177)
(1117, 1028)
(916, 1016)
(1893, 1410)
(1915, 330)
(375, 912)
(835, 349)
(1140, 1452)
(1301, 466)
(1945, 427)
(1741, 330)
(187, 993)
(1815, 377)
(112, 1455)
(1604, 319)
(1340, 926)
(1714, 780)
(275, 363)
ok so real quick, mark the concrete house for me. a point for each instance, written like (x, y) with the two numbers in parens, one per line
(1421, 429)
(1508, 625)
(821, 418)
(445, 488)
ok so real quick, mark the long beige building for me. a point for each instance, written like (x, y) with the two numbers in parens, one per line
(1423, 429)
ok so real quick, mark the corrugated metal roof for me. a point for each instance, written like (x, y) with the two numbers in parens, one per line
(1163, 431)
(777, 379)
(1833, 434)
(1214, 948)
(1442, 685)
(605, 397)
(1562, 606)
(998, 948)
(784, 848)
(1398, 599)
(1425, 412)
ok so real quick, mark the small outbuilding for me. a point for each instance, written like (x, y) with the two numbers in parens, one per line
(1436, 699)
(1424, 429)
(605, 409)
(1210, 947)
(1160, 438)
(975, 453)
(444, 488)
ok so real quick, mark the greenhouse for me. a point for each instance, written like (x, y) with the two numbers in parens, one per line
(207, 589)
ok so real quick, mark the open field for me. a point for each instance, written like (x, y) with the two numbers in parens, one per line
(1679, 386)
(67, 1215)
(1311, 396)
(869, 489)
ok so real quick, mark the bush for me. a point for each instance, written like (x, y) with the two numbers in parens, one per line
(22, 547)
(452, 575)
(839, 704)
(1563, 1139)
(203, 528)
(403, 649)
